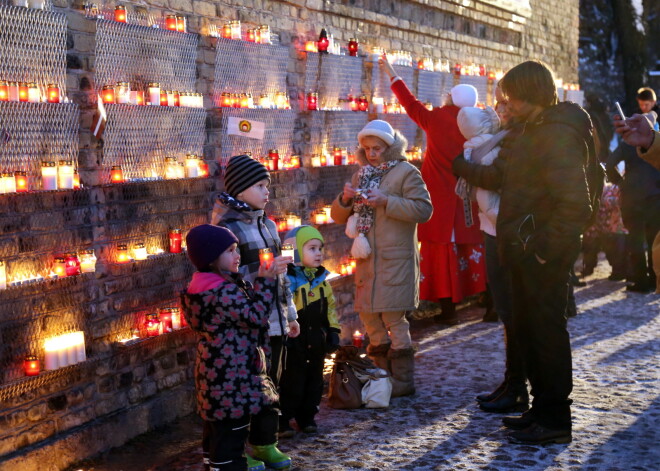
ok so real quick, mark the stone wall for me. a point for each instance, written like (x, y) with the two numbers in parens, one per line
(59, 417)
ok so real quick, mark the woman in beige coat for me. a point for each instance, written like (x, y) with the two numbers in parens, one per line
(382, 206)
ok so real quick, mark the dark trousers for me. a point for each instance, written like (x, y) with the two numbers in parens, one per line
(302, 386)
(223, 441)
(276, 354)
(539, 318)
(643, 223)
(499, 282)
(614, 246)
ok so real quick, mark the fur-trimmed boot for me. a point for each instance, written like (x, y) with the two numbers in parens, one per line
(402, 364)
(378, 354)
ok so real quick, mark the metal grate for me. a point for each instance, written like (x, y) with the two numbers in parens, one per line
(35, 132)
(33, 46)
(330, 129)
(278, 134)
(404, 125)
(381, 82)
(433, 86)
(333, 77)
(480, 83)
(246, 67)
(139, 138)
(140, 54)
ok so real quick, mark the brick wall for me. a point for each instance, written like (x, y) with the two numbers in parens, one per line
(62, 416)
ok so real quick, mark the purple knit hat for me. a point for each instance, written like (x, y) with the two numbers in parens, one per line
(206, 243)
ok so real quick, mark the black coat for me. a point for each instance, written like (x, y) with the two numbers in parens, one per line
(542, 176)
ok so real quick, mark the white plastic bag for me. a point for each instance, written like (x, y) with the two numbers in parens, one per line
(377, 391)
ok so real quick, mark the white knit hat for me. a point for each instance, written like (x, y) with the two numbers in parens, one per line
(380, 129)
(464, 95)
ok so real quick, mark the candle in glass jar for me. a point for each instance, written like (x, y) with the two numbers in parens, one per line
(163, 97)
(108, 94)
(170, 22)
(327, 209)
(312, 101)
(120, 13)
(33, 93)
(323, 42)
(71, 264)
(23, 92)
(175, 241)
(287, 250)
(236, 29)
(316, 160)
(153, 90)
(171, 168)
(65, 175)
(76, 180)
(358, 338)
(226, 31)
(3, 275)
(48, 176)
(192, 166)
(59, 266)
(176, 318)
(53, 93)
(363, 104)
(170, 98)
(320, 218)
(281, 101)
(87, 261)
(166, 322)
(264, 33)
(250, 36)
(292, 221)
(139, 251)
(203, 168)
(21, 181)
(13, 91)
(274, 155)
(31, 366)
(8, 184)
(152, 325)
(266, 257)
(337, 155)
(181, 24)
(353, 47)
(123, 93)
(4, 91)
(116, 175)
(137, 97)
(122, 253)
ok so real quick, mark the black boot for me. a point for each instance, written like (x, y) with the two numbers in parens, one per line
(486, 397)
(448, 316)
(509, 401)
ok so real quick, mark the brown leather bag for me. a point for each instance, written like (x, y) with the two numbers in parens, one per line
(345, 387)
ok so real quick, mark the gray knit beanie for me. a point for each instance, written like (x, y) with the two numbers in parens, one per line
(242, 172)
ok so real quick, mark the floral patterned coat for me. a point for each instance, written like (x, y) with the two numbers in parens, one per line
(231, 320)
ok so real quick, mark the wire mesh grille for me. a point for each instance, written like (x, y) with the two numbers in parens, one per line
(278, 134)
(433, 86)
(404, 125)
(333, 77)
(330, 129)
(33, 46)
(139, 138)
(35, 132)
(47, 5)
(380, 82)
(246, 67)
(140, 54)
(480, 83)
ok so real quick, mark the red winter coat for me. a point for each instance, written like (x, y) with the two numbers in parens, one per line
(444, 142)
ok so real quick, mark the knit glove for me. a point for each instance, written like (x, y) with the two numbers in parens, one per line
(332, 342)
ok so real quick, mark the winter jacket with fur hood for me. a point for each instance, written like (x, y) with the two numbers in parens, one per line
(388, 280)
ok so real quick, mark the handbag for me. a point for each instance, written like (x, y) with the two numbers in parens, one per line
(345, 389)
(349, 373)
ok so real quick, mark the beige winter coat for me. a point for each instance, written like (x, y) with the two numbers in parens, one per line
(388, 280)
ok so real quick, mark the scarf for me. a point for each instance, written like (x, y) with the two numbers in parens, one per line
(232, 203)
(369, 178)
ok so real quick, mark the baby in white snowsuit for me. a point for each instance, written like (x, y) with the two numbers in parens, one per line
(478, 126)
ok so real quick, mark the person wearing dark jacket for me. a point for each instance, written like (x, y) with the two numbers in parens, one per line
(545, 205)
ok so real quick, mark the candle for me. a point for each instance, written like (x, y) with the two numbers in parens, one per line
(170, 22)
(116, 175)
(264, 33)
(153, 90)
(327, 209)
(353, 103)
(13, 91)
(78, 344)
(71, 265)
(53, 93)
(192, 166)
(320, 218)
(3, 275)
(181, 24)
(337, 155)
(87, 261)
(203, 168)
(163, 98)
(287, 250)
(4, 91)
(312, 101)
(122, 254)
(152, 324)
(175, 240)
(166, 322)
(295, 161)
(281, 101)
(21, 181)
(226, 31)
(274, 155)
(363, 104)
(311, 46)
(33, 93)
(65, 175)
(23, 92)
(266, 257)
(139, 251)
(76, 180)
(176, 318)
(48, 176)
(358, 338)
(250, 36)
(316, 160)
(59, 266)
(52, 347)
(123, 93)
(120, 13)
(343, 270)
(8, 184)
(171, 168)
(236, 29)
(323, 42)
(324, 160)
(353, 47)
(170, 98)
(177, 98)
(378, 103)
(31, 366)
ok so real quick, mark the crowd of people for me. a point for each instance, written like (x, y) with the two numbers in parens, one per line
(501, 203)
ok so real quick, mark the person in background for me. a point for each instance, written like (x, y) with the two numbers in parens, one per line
(646, 100)
(230, 317)
(381, 207)
(452, 254)
(301, 386)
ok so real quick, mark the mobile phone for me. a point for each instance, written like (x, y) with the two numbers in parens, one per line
(619, 110)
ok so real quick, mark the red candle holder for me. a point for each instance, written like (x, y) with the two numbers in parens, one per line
(358, 339)
(53, 93)
(363, 104)
(266, 257)
(177, 98)
(225, 100)
(4, 91)
(152, 325)
(203, 169)
(59, 266)
(71, 264)
(108, 94)
(163, 97)
(31, 366)
(250, 36)
(353, 103)
(353, 47)
(181, 24)
(122, 254)
(294, 162)
(23, 92)
(323, 42)
(165, 316)
(337, 155)
(170, 22)
(226, 31)
(312, 101)
(175, 240)
(21, 181)
(274, 155)
(116, 175)
(120, 13)
(139, 97)
(457, 69)
(76, 180)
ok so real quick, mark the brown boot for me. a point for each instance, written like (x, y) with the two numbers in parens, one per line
(378, 354)
(402, 363)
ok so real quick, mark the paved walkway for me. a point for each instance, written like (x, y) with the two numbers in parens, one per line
(616, 409)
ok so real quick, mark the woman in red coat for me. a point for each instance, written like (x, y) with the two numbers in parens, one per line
(452, 261)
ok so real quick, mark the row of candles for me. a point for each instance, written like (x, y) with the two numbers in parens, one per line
(138, 251)
(278, 101)
(121, 93)
(194, 167)
(28, 92)
(34, 4)
(350, 103)
(326, 44)
(233, 30)
(59, 352)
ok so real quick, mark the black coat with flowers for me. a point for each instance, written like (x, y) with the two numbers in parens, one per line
(230, 372)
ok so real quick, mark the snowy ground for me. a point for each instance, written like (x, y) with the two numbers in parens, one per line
(616, 409)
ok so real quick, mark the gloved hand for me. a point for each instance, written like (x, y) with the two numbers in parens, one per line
(332, 342)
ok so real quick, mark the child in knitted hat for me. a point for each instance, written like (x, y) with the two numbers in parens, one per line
(241, 209)
(230, 316)
(302, 380)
